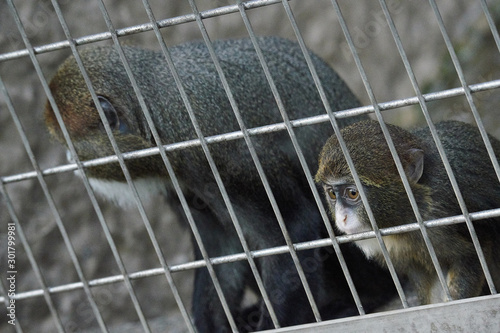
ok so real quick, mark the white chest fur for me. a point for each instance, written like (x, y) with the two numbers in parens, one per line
(121, 193)
(371, 247)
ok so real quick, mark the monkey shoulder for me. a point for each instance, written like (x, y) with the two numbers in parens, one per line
(470, 162)
(461, 143)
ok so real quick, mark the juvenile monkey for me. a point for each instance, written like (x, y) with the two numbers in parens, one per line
(243, 184)
(433, 193)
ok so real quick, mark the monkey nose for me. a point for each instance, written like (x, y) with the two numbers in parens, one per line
(345, 219)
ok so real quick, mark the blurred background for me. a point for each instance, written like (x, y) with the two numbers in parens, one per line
(318, 23)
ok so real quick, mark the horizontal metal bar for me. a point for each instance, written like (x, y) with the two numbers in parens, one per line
(495, 84)
(261, 253)
(136, 29)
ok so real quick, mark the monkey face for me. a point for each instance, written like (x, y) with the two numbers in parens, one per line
(91, 141)
(346, 207)
(377, 173)
(79, 113)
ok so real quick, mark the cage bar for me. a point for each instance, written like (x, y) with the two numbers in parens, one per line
(456, 312)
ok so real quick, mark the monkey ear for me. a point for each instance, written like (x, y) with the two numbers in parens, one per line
(415, 166)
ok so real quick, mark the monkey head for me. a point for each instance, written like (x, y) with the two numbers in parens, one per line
(85, 127)
(378, 174)
(81, 117)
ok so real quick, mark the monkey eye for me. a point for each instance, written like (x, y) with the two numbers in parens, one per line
(110, 112)
(352, 193)
(111, 115)
(332, 194)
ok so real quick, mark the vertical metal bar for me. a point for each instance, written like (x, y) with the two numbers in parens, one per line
(41, 180)
(487, 143)
(467, 90)
(357, 181)
(494, 32)
(255, 159)
(240, 234)
(126, 173)
(75, 156)
(31, 258)
(423, 229)
(218, 179)
(333, 121)
(142, 212)
(169, 168)
(491, 23)
(297, 148)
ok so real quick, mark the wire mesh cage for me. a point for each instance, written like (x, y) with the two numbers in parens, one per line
(230, 231)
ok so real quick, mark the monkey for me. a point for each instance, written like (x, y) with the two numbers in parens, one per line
(210, 104)
(434, 196)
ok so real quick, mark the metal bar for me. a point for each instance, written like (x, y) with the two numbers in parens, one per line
(495, 84)
(128, 177)
(333, 121)
(213, 168)
(255, 158)
(85, 180)
(491, 23)
(43, 184)
(298, 151)
(354, 173)
(136, 29)
(31, 258)
(220, 185)
(79, 62)
(413, 202)
(468, 93)
(476, 216)
(128, 285)
(487, 143)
